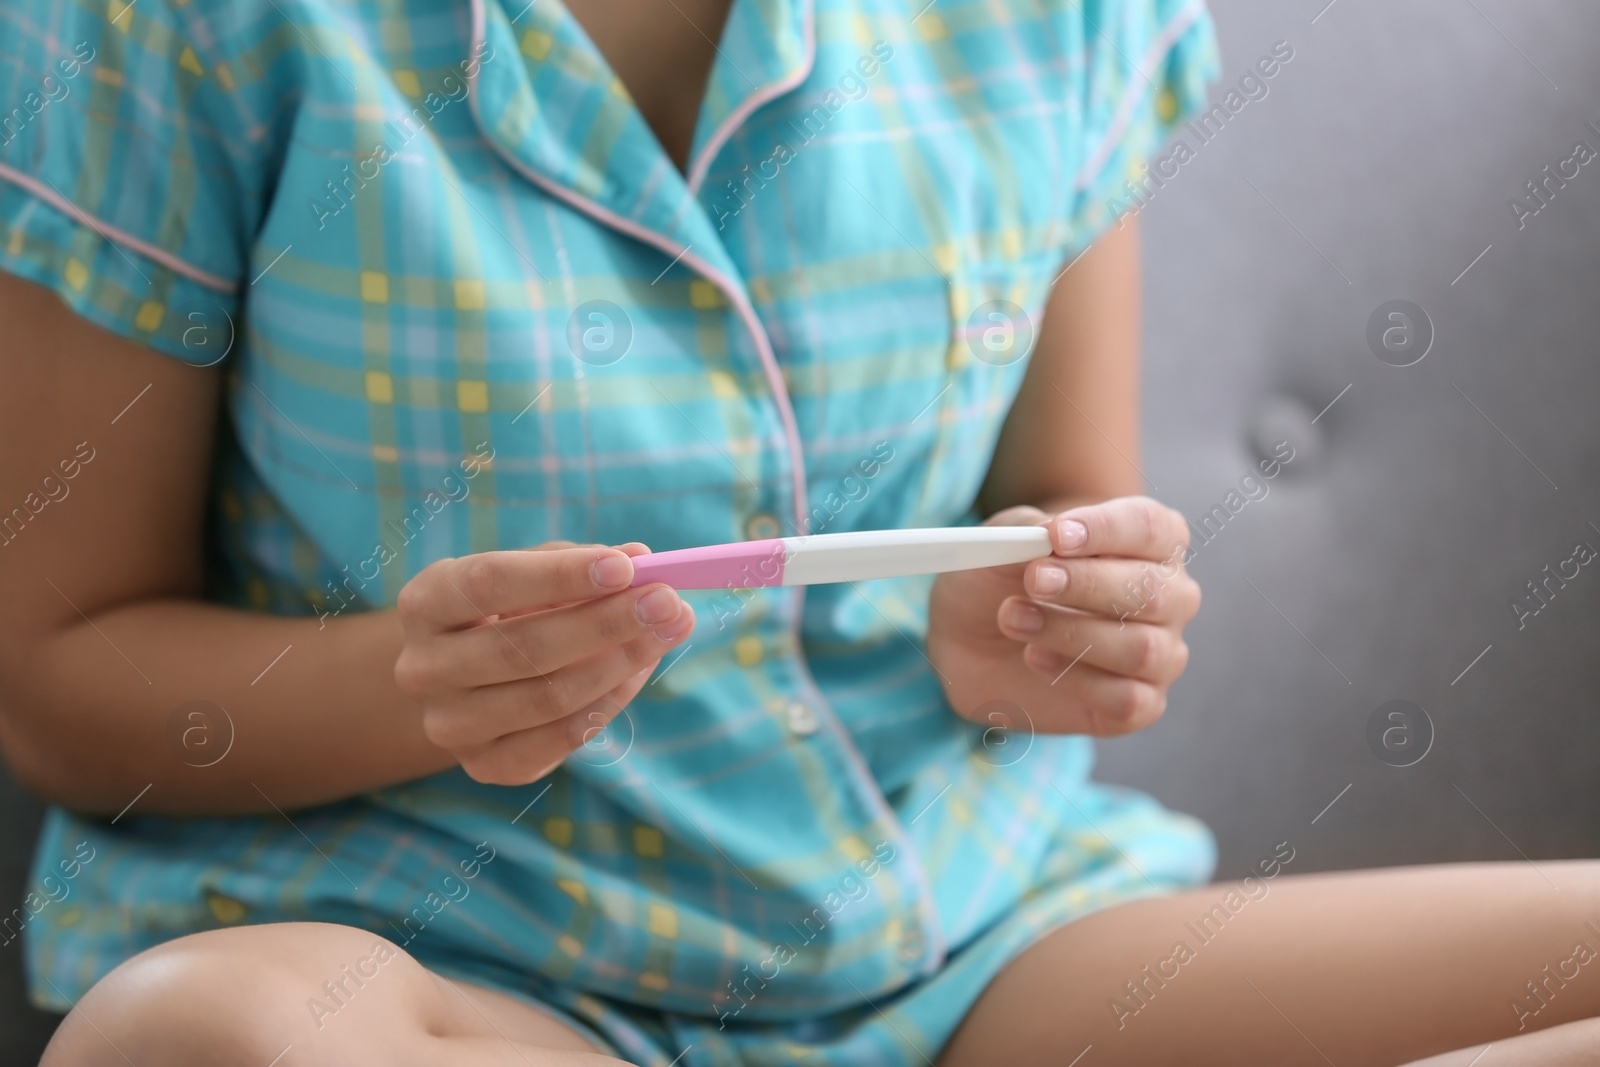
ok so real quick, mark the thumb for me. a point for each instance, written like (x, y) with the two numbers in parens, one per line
(1020, 515)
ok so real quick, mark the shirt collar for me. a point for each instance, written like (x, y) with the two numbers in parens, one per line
(767, 50)
(547, 99)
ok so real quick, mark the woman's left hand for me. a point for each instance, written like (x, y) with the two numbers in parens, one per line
(1086, 640)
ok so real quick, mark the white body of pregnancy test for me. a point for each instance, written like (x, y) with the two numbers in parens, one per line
(842, 557)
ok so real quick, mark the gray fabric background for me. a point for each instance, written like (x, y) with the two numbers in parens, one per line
(1385, 557)
(1395, 542)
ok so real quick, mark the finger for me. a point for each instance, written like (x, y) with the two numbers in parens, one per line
(528, 755)
(631, 687)
(1133, 526)
(542, 643)
(1112, 704)
(1118, 588)
(1058, 638)
(1004, 576)
(489, 712)
(454, 593)
(1017, 515)
(532, 754)
(631, 548)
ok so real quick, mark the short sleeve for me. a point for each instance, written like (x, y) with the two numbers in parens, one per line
(1148, 66)
(136, 163)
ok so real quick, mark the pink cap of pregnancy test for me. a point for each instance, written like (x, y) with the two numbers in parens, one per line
(744, 565)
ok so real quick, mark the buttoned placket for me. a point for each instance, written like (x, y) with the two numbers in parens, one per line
(664, 213)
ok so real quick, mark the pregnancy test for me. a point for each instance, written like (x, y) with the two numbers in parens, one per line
(842, 557)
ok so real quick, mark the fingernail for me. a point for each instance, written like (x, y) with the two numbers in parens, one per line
(676, 629)
(1049, 579)
(658, 605)
(1024, 617)
(1071, 533)
(611, 572)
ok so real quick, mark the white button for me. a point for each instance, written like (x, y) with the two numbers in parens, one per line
(802, 720)
(762, 526)
(912, 946)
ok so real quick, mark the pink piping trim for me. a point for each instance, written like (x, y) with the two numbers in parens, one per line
(149, 251)
(1119, 124)
(757, 99)
(769, 360)
(797, 468)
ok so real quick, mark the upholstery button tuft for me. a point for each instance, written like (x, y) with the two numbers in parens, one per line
(1284, 419)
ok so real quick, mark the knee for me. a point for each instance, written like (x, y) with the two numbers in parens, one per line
(242, 994)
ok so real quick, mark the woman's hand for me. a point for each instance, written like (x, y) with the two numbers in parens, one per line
(1086, 640)
(517, 658)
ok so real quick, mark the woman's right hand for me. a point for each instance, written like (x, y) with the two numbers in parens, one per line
(519, 657)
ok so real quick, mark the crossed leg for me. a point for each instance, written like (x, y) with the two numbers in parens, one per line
(1425, 966)
(1360, 969)
(240, 996)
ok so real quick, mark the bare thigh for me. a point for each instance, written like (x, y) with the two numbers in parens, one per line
(250, 995)
(1362, 968)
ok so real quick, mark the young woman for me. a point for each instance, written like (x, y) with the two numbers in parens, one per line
(352, 352)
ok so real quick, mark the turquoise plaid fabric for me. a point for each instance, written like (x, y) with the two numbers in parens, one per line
(464, 301)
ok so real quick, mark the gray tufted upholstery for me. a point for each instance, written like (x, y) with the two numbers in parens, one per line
(1397, 539)
(1385, 556)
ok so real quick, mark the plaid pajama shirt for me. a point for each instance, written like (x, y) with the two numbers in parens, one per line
(464, 301)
